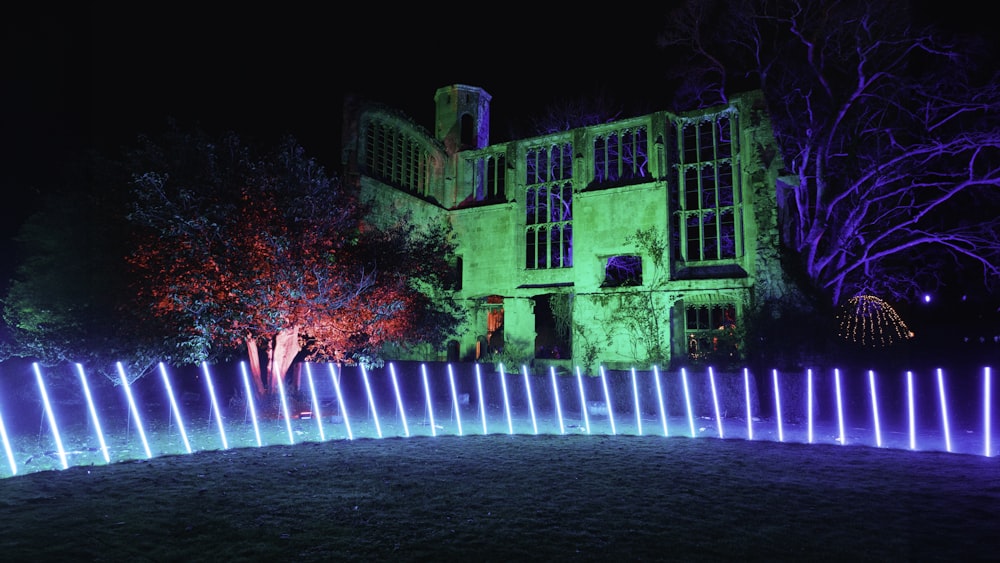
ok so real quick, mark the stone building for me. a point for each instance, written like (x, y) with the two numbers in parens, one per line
(636, 242)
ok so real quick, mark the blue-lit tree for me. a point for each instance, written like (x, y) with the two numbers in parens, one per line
(889, 130)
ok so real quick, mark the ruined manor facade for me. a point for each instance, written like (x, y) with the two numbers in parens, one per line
(639, 242)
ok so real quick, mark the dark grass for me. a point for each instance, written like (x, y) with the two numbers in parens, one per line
(512, 498)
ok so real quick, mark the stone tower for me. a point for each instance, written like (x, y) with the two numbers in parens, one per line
(462, 117)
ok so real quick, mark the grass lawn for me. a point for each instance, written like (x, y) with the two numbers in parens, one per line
(500, 497)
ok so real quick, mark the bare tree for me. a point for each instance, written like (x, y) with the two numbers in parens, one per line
(888, 129)
(570, 113)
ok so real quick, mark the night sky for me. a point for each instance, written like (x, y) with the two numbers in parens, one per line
(95, 78)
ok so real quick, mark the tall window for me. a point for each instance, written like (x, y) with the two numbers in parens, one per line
(621, 156)
(707, 206)
(489, 177)
(396, 158)
(549, 207)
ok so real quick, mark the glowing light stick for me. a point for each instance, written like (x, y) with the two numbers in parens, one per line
(687, 400)
(944, 410)
(506, 401)
(454, 399)
(777, 405)
(7, 448)
(51, 417)
(250, 402)
(635, 395)
(93, 413)
(840, 407)
(399, 399)
(215, 406)
(746, 391)
(427, 396)
(878, 428)
(809, 398)
(340, 402)
(659, 398)
(315, 402)
(715, 401)
(371, 401)
(911, 410)
(555, 392)
(482, 398)
(531, 402)
(607, 401)
(173, 405)
(134, 409)
(583, 400)
(284, 408)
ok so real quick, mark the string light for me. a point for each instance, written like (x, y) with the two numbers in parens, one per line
(870, 321)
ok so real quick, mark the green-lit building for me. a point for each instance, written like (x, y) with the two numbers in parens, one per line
(637, 242)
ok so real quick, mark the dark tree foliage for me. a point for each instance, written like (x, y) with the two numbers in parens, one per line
(889, 131)
(69, 300)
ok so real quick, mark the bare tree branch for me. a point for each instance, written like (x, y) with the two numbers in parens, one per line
(888, 128)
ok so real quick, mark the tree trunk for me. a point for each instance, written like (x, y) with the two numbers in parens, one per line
(253, 355)
(281, 354)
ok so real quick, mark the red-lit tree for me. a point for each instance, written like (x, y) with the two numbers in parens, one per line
(270, 254)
